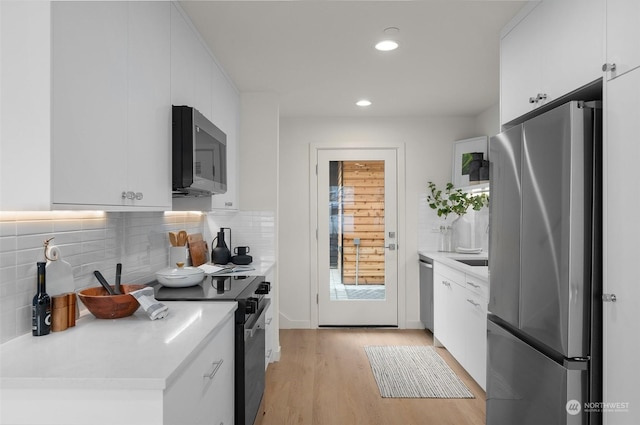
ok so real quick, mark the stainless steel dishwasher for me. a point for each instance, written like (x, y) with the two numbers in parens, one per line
(426, 292)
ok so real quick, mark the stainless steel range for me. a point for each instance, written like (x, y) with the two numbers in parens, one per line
(249, 292)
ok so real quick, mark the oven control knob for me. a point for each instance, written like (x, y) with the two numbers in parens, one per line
(264, 288)
(252, 306)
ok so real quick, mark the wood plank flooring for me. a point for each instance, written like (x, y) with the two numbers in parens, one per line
(324, 378)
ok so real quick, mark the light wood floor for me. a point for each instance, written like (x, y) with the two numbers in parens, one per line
(324, 378)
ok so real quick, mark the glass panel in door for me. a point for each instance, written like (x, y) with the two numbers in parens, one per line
(357, 258)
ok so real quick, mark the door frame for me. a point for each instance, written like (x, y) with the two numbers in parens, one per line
(313, 222)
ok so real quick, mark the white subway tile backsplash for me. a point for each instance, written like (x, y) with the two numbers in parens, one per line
(7, 228)
(7, 243)
(36, 227)
(88, 241)
(255, 229)
(7, 259)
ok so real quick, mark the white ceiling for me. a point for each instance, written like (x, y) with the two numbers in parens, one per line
(318, 56)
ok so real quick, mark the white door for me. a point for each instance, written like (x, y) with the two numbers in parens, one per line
(357, 237)
(621, 235)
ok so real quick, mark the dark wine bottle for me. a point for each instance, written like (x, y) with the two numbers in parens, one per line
(41, 307)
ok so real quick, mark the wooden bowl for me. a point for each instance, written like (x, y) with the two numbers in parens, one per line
(105, 306)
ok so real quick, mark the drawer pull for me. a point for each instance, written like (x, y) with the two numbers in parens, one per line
(269, 320)
(473, 302)
(216, 366)
(268, 356)
(445, 283)
(473, 284)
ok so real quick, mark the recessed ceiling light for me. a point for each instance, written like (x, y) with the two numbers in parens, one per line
(363, 102)
(389, 43)
(386, 45)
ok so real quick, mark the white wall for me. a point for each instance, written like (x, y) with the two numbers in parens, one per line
(258, 151)
(428, 147)
(488, 121)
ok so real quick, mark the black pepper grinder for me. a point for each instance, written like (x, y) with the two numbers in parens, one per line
(41, 306)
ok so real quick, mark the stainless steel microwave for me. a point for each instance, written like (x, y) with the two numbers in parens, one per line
(199, 162)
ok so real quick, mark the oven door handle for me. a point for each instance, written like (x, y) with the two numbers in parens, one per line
(259, 323)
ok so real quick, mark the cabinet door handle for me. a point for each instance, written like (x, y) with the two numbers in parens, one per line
(269, 320)
(608, 67)
(609, 298)
(268, 355)
(445, 283)
(139, 196)
(228, 204)
(473, 302)
(538, 98)
(473, 284)
(214, 370)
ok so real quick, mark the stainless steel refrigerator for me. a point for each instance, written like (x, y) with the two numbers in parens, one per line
(544, 324)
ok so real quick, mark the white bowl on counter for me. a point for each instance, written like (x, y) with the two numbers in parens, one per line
(180, 276)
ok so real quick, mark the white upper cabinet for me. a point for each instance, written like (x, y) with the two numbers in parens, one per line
(520, 53)
(572, 44)
(204, 79)
(197, 81)
(556, 48)
(226, 113)
(111, 105)
(183, 60)
(623, 36)
(149, 140)
(25, 106)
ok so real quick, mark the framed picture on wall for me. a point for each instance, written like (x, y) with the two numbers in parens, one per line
(468, 155)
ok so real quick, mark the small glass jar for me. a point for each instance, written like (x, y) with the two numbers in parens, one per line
(445, 243)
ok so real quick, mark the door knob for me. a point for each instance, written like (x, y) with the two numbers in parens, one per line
(391, 247)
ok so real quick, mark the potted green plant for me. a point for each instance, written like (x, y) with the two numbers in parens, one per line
(449, 200)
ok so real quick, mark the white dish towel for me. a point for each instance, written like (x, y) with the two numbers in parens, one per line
(154, 308)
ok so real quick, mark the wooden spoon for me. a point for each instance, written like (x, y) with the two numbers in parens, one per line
(182, 238)
(173, 238)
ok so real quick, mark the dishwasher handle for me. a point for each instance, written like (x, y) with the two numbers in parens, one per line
(426, 265)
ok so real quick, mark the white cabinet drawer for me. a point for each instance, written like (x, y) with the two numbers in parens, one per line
(479, 287)
(448, 274)
(204, 391)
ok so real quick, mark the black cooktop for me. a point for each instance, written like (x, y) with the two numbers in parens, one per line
(212, 288)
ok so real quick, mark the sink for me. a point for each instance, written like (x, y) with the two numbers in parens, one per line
(475, 262)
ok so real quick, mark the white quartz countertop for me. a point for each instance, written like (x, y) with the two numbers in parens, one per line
(449, 259)
(132, 352)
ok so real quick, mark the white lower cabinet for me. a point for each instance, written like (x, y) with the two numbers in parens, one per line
(475, 325)
(203, 393)
(447, 291)
(272, 340)
(460, 318)
(269, 338)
